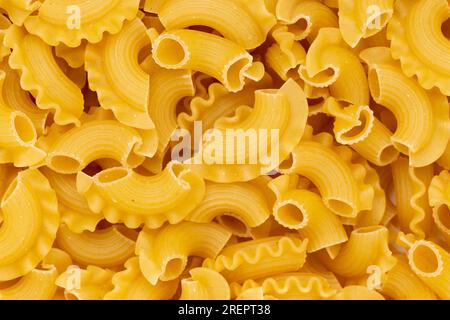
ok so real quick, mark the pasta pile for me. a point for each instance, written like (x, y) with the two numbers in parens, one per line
(108, 193)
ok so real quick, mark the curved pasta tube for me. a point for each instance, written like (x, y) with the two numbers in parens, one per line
(19, 10)
(74, 209)
(70, 21)
(244, 23)
(330, 63)
(422, 116)
(122, 195)
(218, 102)
(38, 284)
(305, 211)
(363, 19)
(419, 43)
(291, 286)
(18, 139)
(115, 74)
(321, 162)
(283, 111)
(259, 258)
(163, 253)
(237, 206)
(304, 18)
(358, 293)
(73, 56)
(367, 246)
(91, 283)
(130, 284)
(204, 284)
(224, 60)
(400, 283)
(36, 226)
(167, 88)
(69, 150)
(439, 199)
(431, 264)
(104, 248)
(18, 99)
(410, 185)
(38, 70)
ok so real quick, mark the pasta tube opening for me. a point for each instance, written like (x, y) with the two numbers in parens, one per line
(290, 214)
(24, 129)
(174, 267)
(425, 259)
(112, 175)
(64, 163)
(234, 71)
(234, 224)
(388, 154)
(340, 206)
(170, 52)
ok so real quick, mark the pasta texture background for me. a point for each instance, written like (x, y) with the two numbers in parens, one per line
(224, 149)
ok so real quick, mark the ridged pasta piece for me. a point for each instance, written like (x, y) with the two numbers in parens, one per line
(130, 284)
(419, 43)
(71, 149)
(74, 209)
(58, 22)
(422, 116)
(330, 63)
(73, 56)
(400, 283)
(284, 110)
(5, 24)
(431, 264)
(256, 293)
(358, 127)
(106, 248)
(358, 293)
(316, 158)
(217, 102)
(305, 18)
(167, 88)
(19, 10)
(200, 51)
(115, 74)
(237, 206)
(123, 195)
(439, 199)
(259, 258)
(41, 75)
(18, 99)
(38, 284)
(204, 284)
(304, 211)
(163, 253)
(367, 246)
(244, 23)
(291, 286)
(363, 19)
(36, 226)
(313, 265)
(91, 283)
(411, 185)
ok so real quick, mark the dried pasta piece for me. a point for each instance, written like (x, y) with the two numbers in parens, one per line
(91, 283)
(73, 56)
(19, 10)
(36, 226)
(363, 19)
(237, 206)
(204, 284)
(123, 195)
(421, 115)
(224, 60)
(71, 21)
(106, 248)
(41, 75)
(358, 293)
(130, 284)
(259, 258)
(115, 74)
(245, 23)
(414, 214)
(420, 44)
(74, 209)
(439, 199)
(163, 253)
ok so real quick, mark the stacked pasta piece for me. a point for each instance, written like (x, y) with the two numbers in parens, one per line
(100, 202)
